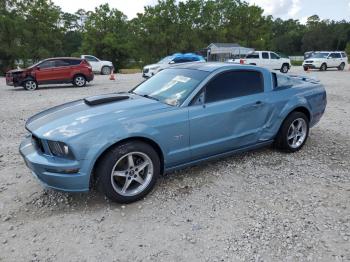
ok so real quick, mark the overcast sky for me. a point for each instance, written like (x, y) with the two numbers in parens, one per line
(296, 9)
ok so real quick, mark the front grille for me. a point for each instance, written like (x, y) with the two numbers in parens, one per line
(38, 144)
(146, 70)
(310, 61)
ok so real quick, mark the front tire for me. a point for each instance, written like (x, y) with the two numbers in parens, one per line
(341, 67)
(323, 67)
(284, 68)
(79, 81)
(293, 133)
(128, 172)
(106, 70)
(30, 85)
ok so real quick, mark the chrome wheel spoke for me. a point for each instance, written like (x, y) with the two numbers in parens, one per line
(130, 161)
(139, 180)
(120, 173)
(126, 185)
(142, 166)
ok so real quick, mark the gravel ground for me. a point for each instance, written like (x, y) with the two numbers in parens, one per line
(258, 206)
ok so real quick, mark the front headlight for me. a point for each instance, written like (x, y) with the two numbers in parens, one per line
(60, 149)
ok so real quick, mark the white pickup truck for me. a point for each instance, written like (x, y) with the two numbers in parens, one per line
(99, 66)
(267, 59)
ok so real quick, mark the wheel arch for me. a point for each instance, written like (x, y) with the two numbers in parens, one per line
(301, 109)
(146, 140)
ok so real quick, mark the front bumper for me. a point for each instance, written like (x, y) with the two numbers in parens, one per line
(53, 172)
(311, 66)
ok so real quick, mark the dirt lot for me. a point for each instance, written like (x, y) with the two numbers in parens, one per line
(258, 206)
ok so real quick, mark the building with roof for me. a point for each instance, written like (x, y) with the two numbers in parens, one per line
(224, 51)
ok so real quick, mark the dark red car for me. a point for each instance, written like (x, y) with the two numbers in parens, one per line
(52, 71)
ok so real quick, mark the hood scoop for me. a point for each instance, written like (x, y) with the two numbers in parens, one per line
(104, 99)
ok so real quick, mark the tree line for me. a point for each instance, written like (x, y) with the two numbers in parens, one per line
(31, 30)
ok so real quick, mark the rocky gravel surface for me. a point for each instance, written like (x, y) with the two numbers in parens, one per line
(258, 206)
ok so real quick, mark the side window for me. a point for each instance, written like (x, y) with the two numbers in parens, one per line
(73, 62)
(265, 55)
(337, 55)
(283, 80)
(91, 58)
(47, 64)
(253, 56)
(59, 63)
(274, 56)
(234, 84)
(343, 55)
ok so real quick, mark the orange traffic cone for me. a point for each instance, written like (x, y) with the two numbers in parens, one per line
(112, 77)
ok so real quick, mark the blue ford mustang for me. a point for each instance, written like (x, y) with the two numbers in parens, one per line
(179, 117)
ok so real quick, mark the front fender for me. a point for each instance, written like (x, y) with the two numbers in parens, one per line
(107, 138)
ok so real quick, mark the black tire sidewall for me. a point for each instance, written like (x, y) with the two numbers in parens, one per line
(282, 69)
(323, 67)
(341, 67)
(108, 161)
(281, 139)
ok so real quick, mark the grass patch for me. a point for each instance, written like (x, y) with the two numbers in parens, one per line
(296, 63)
(130, 71)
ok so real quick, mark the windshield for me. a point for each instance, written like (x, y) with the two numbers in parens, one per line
(36, 64)
(165, 60)
(319, 55)
(171, 86)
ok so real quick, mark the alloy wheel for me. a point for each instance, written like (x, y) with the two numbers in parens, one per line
(80, 81)
(297, 132)
(132, 173)
(30, 85)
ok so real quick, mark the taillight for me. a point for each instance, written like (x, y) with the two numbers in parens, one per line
(241, 61)
(84, 62)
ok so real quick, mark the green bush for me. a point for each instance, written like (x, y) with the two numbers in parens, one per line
(296, 63)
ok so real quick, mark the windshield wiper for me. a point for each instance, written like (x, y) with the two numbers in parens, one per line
(150, 97)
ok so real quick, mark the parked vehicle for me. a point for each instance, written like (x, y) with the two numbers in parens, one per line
(326, 59)
(151, 70)
(267, 59)
(60, 70)
(99, 66)
(180, 117)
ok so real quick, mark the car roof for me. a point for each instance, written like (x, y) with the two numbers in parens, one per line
(211, 66)
(70, 58)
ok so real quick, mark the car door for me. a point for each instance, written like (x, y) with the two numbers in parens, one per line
(265, 60)
(229, 113)
(44, 72)
(61, 71)
(275, 61)
(94, 62)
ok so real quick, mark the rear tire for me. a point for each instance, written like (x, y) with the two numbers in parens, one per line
(106, 70)
(79, 81)
(341, 67)
(293, 133)
(30, 85)
(284, 69)
(323, 67)
(124, 180)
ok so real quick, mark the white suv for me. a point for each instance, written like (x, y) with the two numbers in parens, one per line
(326, 59)
(99, 66)
(269, 60)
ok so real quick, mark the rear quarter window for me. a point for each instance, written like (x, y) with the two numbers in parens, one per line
(73, 61)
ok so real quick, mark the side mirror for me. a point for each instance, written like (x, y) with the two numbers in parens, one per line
(37, 68)
(172, 62)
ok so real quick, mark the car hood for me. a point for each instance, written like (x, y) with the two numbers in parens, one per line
(14, 71)
(315, 59)
(68, 120)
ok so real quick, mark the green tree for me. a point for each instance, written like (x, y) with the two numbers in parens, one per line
(106, 35)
